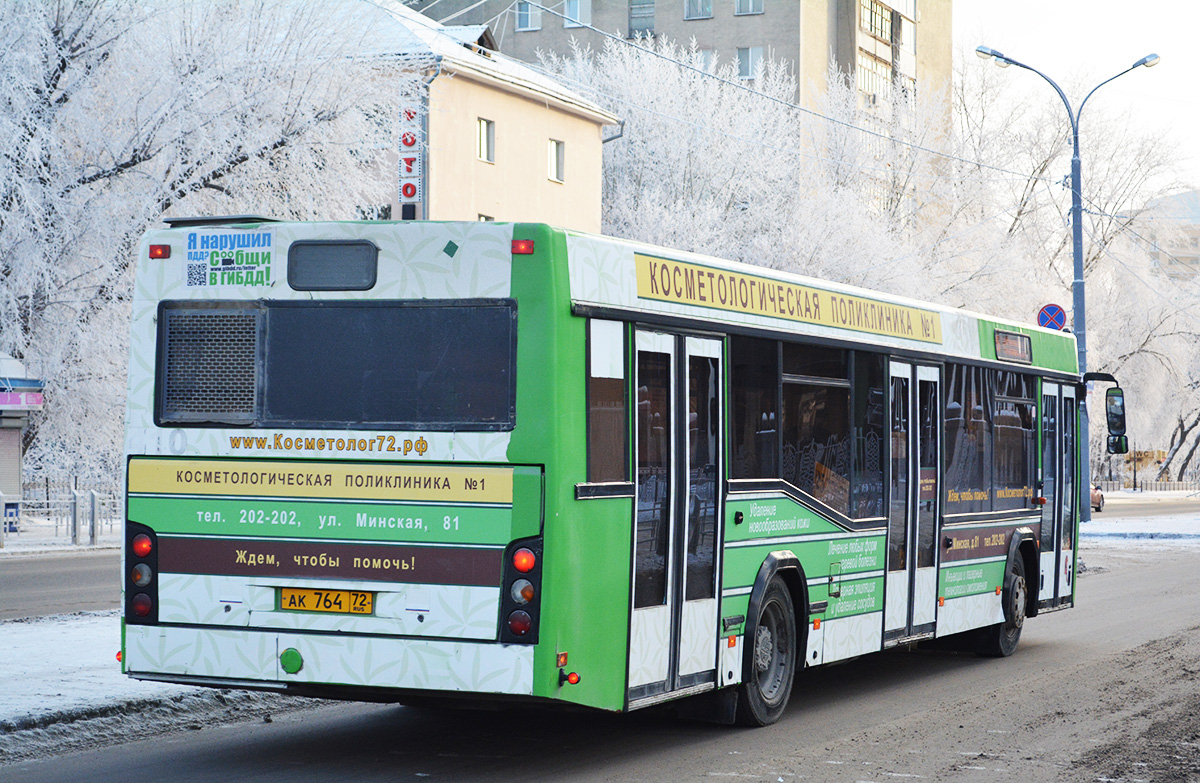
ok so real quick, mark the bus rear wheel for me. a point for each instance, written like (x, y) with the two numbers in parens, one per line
(771, 665)
(1000, 640)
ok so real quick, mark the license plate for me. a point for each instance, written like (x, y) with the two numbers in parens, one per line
(335, 601)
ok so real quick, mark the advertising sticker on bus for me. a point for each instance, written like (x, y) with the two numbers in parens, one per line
(229, 258)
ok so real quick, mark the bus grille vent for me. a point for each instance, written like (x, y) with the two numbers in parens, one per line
(209, 365)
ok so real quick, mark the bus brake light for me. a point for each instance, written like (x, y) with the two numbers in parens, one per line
(142, 545)
(522, 247)
(524, 560)
(160, 251)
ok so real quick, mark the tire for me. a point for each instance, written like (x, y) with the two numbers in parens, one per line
(770, 665)
(1000, 640)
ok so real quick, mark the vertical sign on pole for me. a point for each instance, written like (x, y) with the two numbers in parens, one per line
(412, 154)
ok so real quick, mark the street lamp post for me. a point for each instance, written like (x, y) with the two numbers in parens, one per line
(1078, 316)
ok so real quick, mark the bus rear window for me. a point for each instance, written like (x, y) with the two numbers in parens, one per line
(388, 365)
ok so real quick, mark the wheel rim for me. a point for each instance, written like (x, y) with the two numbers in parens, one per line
(1017, 606)
(771, 652)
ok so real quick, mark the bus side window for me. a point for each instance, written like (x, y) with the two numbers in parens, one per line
(607, 419)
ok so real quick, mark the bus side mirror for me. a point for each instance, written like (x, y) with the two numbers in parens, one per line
(1114, 410)
(1118, 444)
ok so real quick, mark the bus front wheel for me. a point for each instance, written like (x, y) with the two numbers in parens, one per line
(1000, 640)
(771, 667)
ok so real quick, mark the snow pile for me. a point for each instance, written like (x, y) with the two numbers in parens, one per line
(1180, 530)
(64, 690)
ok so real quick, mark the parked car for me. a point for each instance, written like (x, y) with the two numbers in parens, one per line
(1097, 498)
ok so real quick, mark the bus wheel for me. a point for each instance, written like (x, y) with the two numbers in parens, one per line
(1000, 640)
(771, 667)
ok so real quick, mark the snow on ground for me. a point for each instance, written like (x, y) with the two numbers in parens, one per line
(63, 685)
(63, 690)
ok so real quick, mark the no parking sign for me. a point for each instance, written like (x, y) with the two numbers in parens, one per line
(1052, 316)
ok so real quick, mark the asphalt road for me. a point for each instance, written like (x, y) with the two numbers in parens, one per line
(42, 584)
(1118, 505)
(1088, 695)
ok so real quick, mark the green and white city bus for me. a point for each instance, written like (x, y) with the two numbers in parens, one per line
(405, 460)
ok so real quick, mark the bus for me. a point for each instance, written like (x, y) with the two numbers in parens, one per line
(421, 461)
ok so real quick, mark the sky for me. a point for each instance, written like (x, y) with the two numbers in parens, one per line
(1093, 40)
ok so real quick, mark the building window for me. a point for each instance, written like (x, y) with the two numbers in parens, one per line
(485, 218)
(529, 17)
(874, 78)
(485, 137)
(908, 35)
(556, 159)
(748, 7)
(875, 18)
(641, 18)
(697, 9)
(706, 59)
(577, 13)
(749, 59)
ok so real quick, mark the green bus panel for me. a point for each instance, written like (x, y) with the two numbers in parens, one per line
(960, 581)
(585, 577)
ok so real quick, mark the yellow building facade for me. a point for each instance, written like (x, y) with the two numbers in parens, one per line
(485, 137)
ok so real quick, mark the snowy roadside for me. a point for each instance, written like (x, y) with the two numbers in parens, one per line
(64, 689)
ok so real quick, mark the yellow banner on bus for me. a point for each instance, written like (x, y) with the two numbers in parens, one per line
(351, 481)
(666, 280)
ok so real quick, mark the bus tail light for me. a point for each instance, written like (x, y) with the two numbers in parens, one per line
(520, 623)
(141, 574)
(160, 251)
(522, 591)
(141, 604)
(522, 247)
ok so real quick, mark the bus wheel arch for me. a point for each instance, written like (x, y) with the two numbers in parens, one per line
(776, 620)
(1027, 550)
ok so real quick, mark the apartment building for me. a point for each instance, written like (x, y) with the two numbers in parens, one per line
(894, 48)
(1173, 242)
(482, 136)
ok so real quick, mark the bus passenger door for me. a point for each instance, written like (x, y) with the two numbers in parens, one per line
(673, 623)
(1052, 490)
(910, 603)
(1068, 500)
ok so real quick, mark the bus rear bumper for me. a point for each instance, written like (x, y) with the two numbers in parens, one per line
(250, 658)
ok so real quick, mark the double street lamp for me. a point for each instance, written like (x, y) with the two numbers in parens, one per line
(1078, 313)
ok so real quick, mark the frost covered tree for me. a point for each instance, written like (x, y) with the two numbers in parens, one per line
(705, 164)
(116, 112)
